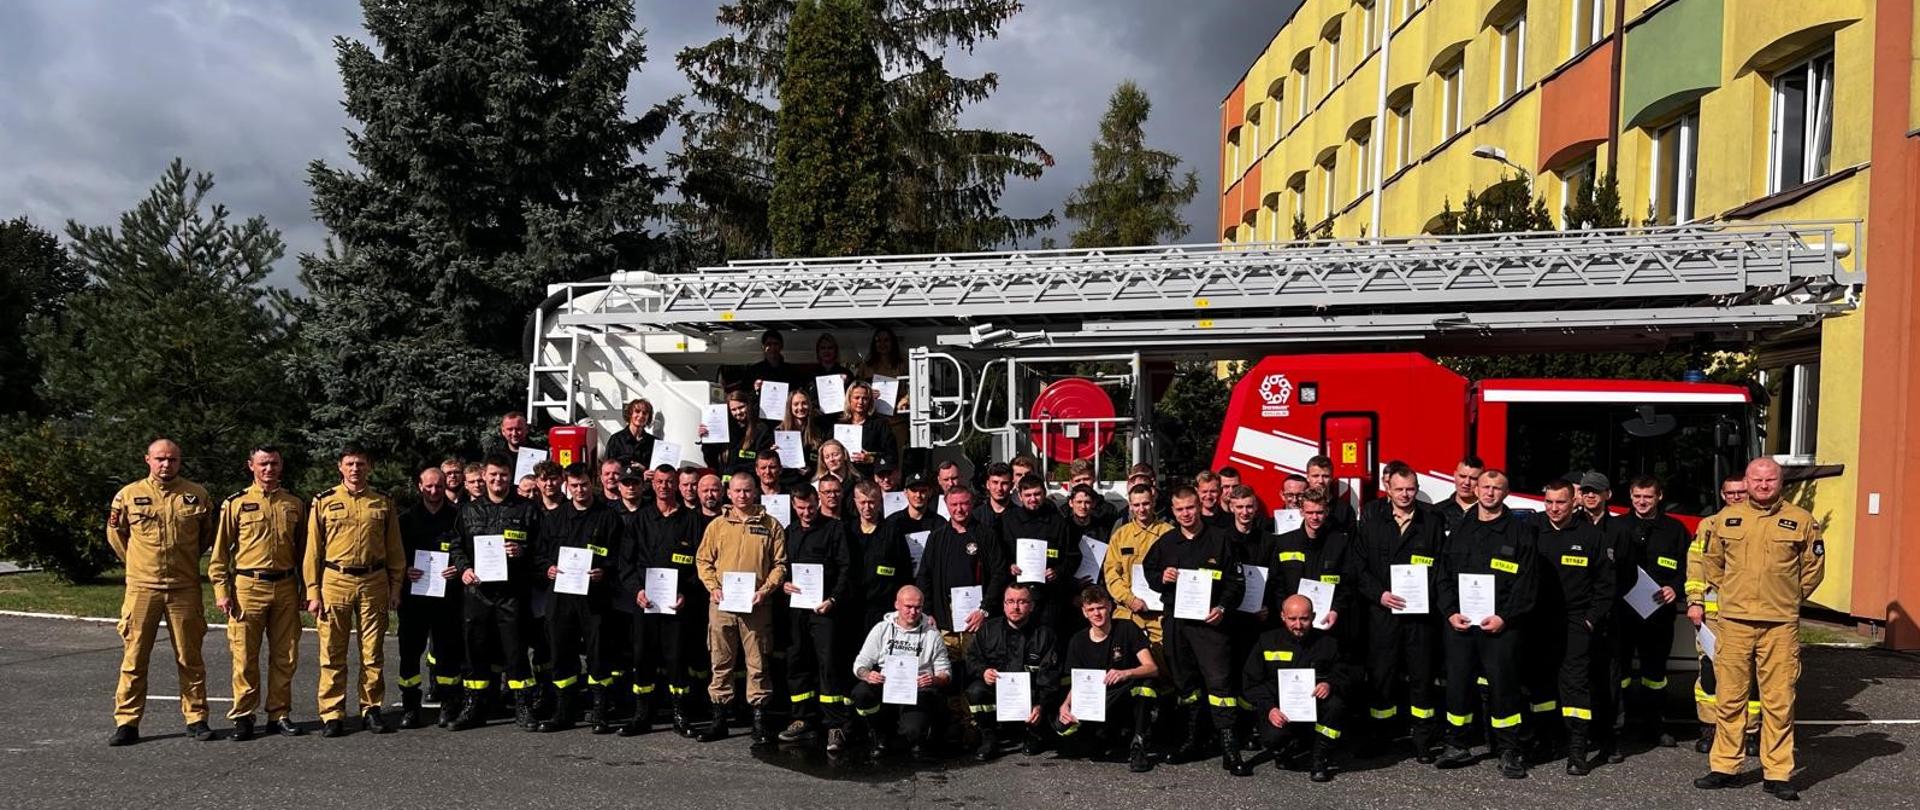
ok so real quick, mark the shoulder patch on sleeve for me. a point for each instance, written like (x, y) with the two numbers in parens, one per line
(1819, 548)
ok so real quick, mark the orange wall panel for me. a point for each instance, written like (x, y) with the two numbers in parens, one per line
(1573, 108)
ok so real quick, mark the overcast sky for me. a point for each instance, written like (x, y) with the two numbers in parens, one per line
(96, 96)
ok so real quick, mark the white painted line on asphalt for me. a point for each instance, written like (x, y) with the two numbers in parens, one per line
(1856, 722)
(210, 698)
(104, 620)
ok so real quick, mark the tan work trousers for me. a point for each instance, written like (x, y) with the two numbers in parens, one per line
(352, 606)
(270, 610)
(140, 614)
(1773, 650)
(729, 636)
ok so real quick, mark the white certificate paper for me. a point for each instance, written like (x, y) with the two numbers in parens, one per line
(523, 461)
(1286, 520)
(1640, 598)
(719, 428)
(575, 564)
(787, 444)
(664, 452)
(886, 391)
(779, 507)
(849, 435)
(1409, 582)
(1321, 595)
(902, 684)
(1013, 697)
(916, 546)
(736, 591)
(1709, 643)
(811, 579)
(831, 390)
(1031, 555)
(773, 400)
(891, 502)
(1137, 581)
(1193, 595)
(1255, 596)
(965, 600)
(1476, 597)
(1093, 554)
(1089, 695)
(663, 589)
(430, 583)
(1296, 696)
(490, 557)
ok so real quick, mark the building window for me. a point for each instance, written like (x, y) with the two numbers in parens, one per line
(1329, 184)
(1399, 136)
(1588, 19)
(1276, 93)
(1272, 212)
(1333, 57)
(1797, 439)
(1574, 180)
(1253, 120)
(1513, 56)
(1802, 138)
(1402, 11)
(1297, 199)
(1453, 91)
(1362, 163)
(1369, 26)
(1233, 154)
(1304, 70)
(1675, 152)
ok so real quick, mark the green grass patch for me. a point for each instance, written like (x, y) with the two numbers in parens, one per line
(1811, 633)
(41, 592)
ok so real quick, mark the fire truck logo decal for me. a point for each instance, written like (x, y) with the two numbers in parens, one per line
(1275, 392)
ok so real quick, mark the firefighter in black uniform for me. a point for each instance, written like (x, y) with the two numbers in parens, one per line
(960, 554)
(1254, 545)
(817, 671)
(430, 526)
(1297, 644)
(1014, 642)
(1032, 517)
(1198, 649)
(1402, 648)
(1658, 545)
(1316, 551)
(494, 610)
(1497, 544)
(1340, 514)
(1466, 477)
(1574, 600)
(582, 624)
(669, 641)
(886, 558)
(1120, 650)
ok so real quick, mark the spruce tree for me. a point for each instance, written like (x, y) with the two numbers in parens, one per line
(494, 156)
(830, 192)
(37, 277)
(946, 178)
(1136, 193)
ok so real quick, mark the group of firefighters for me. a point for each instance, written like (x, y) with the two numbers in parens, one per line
(1440, 624)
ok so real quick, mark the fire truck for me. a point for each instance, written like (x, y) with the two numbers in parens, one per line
(1062, 353)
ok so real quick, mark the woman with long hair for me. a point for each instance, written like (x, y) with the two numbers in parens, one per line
(801, 418)
(876, 438)
(884, 356)
(836, 461)
(747, 436)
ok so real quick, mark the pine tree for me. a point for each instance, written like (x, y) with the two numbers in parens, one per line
(176, 333)
(1596, 205)
(831, 189)
(37, 277)
(1136, 193)
(946, 179)
(494, 156)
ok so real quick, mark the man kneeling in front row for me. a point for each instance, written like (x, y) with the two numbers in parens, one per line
(1296, 645)
(1120, 653)
(909, 633)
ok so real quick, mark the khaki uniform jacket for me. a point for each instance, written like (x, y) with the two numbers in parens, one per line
(743, 541)
(1761, 562)
(1126, 548)
(159, 531)
(257, 531)
(352, 530)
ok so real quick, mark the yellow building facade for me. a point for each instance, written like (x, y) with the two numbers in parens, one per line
(1370, 117)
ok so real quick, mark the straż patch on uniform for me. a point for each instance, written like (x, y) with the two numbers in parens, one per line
(249, 507)
(1789, 524)
(142, 500)
(1731, 522)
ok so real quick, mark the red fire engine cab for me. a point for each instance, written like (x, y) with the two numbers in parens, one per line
(1364, 410)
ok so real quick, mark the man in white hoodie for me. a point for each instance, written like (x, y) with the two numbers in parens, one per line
(909, 632)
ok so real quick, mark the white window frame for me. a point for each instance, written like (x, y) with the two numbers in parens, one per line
(1570, 179)
(1273, 220)
(1332, 42)
(1362, 163)
(1513, 33)
(1400, 128)
(1816, 123)
(1306, 78)
(1369, 25)
(1330, 178)
(1274, 105)
(1688, 146)
(1801, 420)
(1593, 26)
(1453, 91)
(1297, 201)
(1233, 155)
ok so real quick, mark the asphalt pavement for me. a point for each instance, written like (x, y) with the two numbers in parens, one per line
(57, 679)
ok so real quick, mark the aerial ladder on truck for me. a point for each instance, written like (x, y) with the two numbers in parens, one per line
(989, 332)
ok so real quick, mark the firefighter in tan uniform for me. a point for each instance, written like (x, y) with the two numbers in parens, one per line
(255, 572)
(353, 573)
(1763, 558)
(1733, 490)
(159, 526)
(1126, 548)
(745, 539)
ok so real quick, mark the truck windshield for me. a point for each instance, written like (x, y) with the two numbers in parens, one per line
(1689, 447)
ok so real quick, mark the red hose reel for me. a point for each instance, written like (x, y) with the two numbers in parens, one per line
(1059, 430)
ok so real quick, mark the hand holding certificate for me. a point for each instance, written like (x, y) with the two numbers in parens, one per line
(719, 428)
(779, 507)
(1030, 555)
(524, 459)
(891, 502)
(811, 580)
(902, 684)
(1296, 696)
(1286, 520)
(1642, 596)
(916, 546)
(965, 601)
(664, 452)
(1409, 582)
(1093, 554)
(886, 391)
(736, 591)
(1137, 582)
(1321, 595)
(430, 583)
(1254, 598)
(490, 557)
(1089, 695)
(1476, 597)
(1193, 594)
(575, 565)
(773, 400)
(663, 589)
(1013, 697)
(831, 391)
(851, 436)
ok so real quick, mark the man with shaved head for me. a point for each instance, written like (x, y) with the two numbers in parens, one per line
(1762, 558)
(159, 526)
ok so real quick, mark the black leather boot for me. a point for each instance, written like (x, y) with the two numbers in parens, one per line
(1577, 764)
(473, 711)
(716, 728)
(451, 698)
(1230, 760)
(410, 707)
(681, 725)
(562, 717)
(642, 720)
(761, 734)
(1195, 745)
(523, 709)
(602, 712)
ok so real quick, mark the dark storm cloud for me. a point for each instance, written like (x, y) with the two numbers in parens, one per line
(96, 96)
